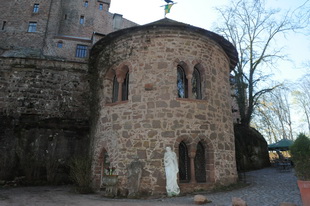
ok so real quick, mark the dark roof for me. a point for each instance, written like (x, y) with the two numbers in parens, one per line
(228, 47)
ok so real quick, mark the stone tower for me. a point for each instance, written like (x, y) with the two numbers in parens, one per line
(158, 85)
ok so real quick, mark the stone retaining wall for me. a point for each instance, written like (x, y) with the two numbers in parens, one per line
(44, 117)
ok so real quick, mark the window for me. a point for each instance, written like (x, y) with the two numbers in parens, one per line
(81, 51)
(35, 8)
(120, 93)
(82, 19)
(65, 17)
(32, 27)
(100, 6)
(120, 87)
(125, 87)
(59, 44)
(86, 4)
(115, 90)
(196, 84)
(200, 163)
(3, 25)
(184, 163)
(188, 82)
(182, 83)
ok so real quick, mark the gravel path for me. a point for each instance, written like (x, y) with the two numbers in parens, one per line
(268, 187)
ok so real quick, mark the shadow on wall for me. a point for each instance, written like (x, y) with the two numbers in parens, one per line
(36, 151)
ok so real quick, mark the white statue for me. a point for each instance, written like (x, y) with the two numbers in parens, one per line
(172, 169)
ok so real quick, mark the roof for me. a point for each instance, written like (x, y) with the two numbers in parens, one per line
(228, 47)
(283, 144)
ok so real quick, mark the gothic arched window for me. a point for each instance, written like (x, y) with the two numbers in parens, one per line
(200, 163)
(115, 90)
(196, 84)
(182, 83)
(125, 87)
(184, 163)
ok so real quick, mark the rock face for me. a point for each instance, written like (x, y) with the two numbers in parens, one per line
(145, 60)
(251, 149)
(238, 202)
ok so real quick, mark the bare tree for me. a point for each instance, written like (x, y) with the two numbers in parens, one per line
(253, 29)
(273, 115)
(302, 98)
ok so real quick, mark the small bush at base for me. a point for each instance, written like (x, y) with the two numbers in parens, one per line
(80, 174)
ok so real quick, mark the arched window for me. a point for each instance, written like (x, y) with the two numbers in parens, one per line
(184, 163)
(115, 90)
(125, 87)
(200, 163)
(120, 86)
(196, 84)
(182, 83)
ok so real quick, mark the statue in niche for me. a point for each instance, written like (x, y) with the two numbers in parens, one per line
(134, 177)
(171, 169)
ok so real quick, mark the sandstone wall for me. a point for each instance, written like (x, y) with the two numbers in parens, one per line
(17, 15)
(55, 18)
(44, 117)
(153, 117)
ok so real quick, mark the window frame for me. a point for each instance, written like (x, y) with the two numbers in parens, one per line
(196, 76)
(200, 163)
(125, 87)
(3, 25)
(101, 7)
(184, 84)
(35, 8)
(81, 51)
(184, 163)
(32, 27)
(115, 89)
(82, 19)
(60, 44)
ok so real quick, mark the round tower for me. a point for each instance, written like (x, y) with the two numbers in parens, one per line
(158, 85)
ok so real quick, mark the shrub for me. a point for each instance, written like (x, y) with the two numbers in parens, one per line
(80, 174)
(300, 152)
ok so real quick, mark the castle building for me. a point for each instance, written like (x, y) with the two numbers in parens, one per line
(59, 29)
(164, 84)
(44, 89)
(78, 80)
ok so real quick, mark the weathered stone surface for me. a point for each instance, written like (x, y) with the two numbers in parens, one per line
(44, 117)
(158, 118)
(200, 200)
(134, 178)
(236, 201)
(57, 21)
